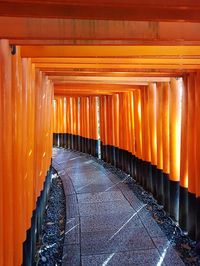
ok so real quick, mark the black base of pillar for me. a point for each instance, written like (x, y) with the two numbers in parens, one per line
(166, 191)
(57, 140)
(149, 177)
(94, 148)
(119, 159)
(133, 170)
(88, 146)
(174, 199)
(65, 140)
(192, 215)
(198, 220)
(106, 153)
(70, 141)
(54, 139)
(103, 157)
(159, 188)
(124, 160)
(154, 180)
(129, 157)
(32, 236)
(183, 208)
(82, 144)
(61, 140)
(145, 174)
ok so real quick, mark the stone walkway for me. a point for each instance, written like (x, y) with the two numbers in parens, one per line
(106, 224)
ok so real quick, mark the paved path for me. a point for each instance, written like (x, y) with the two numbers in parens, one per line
(106, 224)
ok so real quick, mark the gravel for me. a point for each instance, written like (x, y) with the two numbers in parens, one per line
(50, 245)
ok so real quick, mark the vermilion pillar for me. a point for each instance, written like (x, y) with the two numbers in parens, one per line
(153, 133)
(175, 137)
(17, 142)
(102, 129)
(138, 131)
(159, 110)
(131, 95)
(192, 156)
(183, 209)
(7, 195)
(115, 126)
(146, 140)
(197, 150)
(165, 140)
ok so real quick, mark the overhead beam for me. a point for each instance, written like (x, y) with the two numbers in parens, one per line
(82, 93)
(125, 10)
(139, 83)
(64, 73)
(99, 60)
(26, 30)
(113, 80)
(94, 87)
(129, 67)
(108, 51)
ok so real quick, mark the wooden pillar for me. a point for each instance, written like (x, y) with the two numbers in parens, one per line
(132, 134)
(102, 128)
(138, 132)
(183, 208)
(153, 133)
(197, 150)
(64, 122)
(68, 121)
(120, 153)
(18, 232)
(175, 136)
(191, 156)
(165, 139)
(6, 151)
(144, 147)
(115, 122)
(159, 109)
(147, 179)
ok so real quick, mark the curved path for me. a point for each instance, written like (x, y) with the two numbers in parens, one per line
(106, 224)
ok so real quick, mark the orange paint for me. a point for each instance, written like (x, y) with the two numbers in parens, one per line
(159, 106)
(175, 128)
(165, 128)
(152, 122)
(184, 136)
(191, 134)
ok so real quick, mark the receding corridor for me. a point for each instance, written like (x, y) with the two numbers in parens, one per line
(106, 224)
(99, 109)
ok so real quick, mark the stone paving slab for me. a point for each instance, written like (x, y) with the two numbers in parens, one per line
(109, 207)
(71, 255)
(94, 188)
(72, 231)
(106, 224)
(134, 258)
(110, 222)
(89, 179)
(100, 197)
(167, 252)
(115, 241)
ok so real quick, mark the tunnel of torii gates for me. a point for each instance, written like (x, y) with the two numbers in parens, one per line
(120, 81)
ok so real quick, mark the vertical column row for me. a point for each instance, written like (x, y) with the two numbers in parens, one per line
(152, 133)
(25, 150)
(75, 123)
